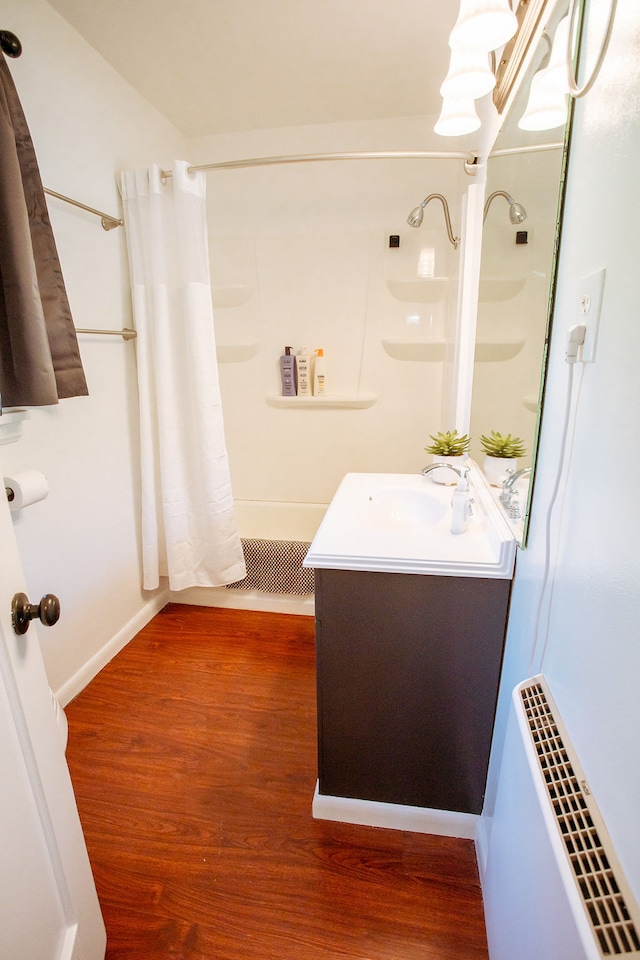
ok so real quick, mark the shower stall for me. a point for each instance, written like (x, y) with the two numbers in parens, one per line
(320, 255)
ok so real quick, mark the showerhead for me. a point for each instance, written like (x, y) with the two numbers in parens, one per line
(517, 213)
(416, 216)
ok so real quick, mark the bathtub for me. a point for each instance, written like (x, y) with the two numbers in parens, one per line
(265, 520)
(270, 520)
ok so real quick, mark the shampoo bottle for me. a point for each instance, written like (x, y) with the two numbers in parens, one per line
(304, 371)
(319, 379)
(288, 373)
(460, 506)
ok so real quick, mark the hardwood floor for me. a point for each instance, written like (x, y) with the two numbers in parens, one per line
(193, 760)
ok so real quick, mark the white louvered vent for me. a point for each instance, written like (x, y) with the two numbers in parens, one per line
(610, 907)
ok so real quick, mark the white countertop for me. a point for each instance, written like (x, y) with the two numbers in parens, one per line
(400, 523)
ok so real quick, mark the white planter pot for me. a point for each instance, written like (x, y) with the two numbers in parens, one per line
(447, 476)
(495, 469)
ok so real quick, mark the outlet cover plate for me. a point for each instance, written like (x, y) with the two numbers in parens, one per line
(589, 308)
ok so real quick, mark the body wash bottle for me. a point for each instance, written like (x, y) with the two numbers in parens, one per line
(319, 379)
(288, 373)
(303, 368)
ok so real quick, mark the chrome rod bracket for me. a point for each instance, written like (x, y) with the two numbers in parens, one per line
(471, 167)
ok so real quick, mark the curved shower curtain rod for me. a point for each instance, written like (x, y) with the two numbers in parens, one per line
(13, 48)
(470, 160)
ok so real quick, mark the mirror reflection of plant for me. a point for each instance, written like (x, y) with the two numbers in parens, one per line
(449, 444)
(505, 446)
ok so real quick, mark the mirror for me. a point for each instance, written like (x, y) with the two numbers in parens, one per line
(517, 276)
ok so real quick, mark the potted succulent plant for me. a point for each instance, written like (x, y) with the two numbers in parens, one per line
(501, 454)
(447, 447)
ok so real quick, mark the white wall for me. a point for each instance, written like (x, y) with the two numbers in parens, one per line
(82, 542)
(313, 238)
(592, 658)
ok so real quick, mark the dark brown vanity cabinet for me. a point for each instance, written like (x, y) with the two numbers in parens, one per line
(408, 668)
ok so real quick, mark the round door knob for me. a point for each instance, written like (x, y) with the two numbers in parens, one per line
(23, 612)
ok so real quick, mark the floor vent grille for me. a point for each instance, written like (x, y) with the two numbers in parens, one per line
(608, 902)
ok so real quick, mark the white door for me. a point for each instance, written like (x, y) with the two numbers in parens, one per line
(48, 904)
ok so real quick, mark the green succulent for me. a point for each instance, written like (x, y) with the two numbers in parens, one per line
(498, 445)
(449, 444)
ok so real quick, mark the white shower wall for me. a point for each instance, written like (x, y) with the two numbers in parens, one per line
(310, 245)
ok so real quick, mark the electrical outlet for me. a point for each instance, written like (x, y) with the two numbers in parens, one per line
(589, 307)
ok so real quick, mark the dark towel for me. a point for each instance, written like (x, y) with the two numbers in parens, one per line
(39, 356)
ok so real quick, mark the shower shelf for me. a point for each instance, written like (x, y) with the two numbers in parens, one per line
(236, 352)
(418, 289)
(354, 400)
(231, 294)
(497, 289)
(416, 348)
(531, 403)
(500, 348)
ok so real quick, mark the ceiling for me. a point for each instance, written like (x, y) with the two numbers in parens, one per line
(222, 66)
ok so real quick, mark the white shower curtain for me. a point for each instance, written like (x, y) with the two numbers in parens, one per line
(188, 522)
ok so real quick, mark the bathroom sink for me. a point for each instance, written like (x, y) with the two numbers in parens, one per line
(398, 508)
(400, 523)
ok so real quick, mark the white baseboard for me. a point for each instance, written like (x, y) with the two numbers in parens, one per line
(76, 684)
(395, 816)
(482, 846)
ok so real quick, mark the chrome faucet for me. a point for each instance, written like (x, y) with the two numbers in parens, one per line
(509, 496)
(463, 472)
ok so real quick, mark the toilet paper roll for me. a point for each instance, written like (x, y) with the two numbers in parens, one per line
(26, 487)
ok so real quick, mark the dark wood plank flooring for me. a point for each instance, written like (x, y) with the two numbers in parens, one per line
(193, 760)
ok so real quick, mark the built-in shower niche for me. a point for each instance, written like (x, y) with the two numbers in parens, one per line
(236, 302)
(418, 281)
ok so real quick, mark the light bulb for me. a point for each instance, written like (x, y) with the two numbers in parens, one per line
(547, 104)
(548, 101)
(457, 118)
(470, 76)
(483, 25)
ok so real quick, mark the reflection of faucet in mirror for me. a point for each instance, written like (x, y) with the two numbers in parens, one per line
(415, 217)
(517, 213)
(509, 496)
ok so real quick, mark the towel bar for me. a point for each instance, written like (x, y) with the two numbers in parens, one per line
(126, 333)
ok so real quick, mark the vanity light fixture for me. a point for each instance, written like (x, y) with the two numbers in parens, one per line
(483, 25)
(470, 76)
(457, 118)
(517, 213)
(547, 106)
(417, 214)
(548, 101)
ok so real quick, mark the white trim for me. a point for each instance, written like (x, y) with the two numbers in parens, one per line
(395, 816)
(246, 600)
(76, 684)
(482, 846)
